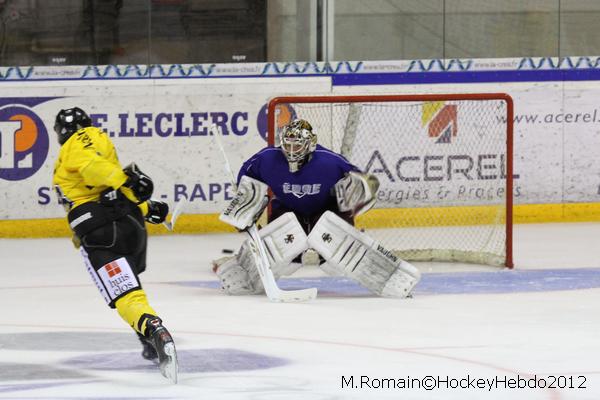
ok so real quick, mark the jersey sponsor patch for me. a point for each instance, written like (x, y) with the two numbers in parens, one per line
(118, 278)
(302, 190)
(112, 279)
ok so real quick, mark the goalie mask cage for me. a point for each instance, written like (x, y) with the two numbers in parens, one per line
(444, 162)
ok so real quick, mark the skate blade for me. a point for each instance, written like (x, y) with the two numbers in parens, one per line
(170, 367)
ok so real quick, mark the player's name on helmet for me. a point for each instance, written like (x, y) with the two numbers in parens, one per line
(167, 124)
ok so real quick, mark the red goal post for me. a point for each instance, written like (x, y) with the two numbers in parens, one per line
(445, 163)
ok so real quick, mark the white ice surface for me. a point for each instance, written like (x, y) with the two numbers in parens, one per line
(45, 293)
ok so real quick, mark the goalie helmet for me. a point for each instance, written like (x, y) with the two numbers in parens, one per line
(70, 121)
(297, 141)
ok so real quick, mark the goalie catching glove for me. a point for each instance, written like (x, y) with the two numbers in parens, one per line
(247, 205)
(356, 192)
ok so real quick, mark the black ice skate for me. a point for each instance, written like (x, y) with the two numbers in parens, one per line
(148, 351)
(163, 343)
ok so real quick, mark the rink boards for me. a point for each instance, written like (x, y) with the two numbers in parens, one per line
(209, 223)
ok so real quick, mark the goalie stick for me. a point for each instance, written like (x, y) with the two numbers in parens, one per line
(274, 293)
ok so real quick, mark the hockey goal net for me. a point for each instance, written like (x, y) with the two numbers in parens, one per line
(444, 162)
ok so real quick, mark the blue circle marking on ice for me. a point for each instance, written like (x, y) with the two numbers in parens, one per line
(190, 361)
(509, 281)
(475, 282)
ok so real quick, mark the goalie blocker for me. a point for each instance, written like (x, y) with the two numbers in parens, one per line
(248, 204)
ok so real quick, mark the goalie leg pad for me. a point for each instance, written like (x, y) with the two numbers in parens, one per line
(357, 256)
(401, 281)
(238, 274)
(284, 240)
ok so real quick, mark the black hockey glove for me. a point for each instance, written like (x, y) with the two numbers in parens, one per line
(157, 211)
(138, 182)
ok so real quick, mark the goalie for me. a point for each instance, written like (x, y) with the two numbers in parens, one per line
(316, 195)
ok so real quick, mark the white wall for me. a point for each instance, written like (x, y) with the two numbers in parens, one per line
(556, 153)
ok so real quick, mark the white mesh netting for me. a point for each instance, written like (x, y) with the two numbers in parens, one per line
(442, 167)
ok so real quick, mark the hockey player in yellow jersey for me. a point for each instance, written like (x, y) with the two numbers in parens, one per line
(107, 206)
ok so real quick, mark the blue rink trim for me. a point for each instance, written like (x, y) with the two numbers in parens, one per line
(406, 78)
(477, 282)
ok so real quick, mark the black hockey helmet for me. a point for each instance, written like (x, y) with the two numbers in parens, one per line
(70, 121)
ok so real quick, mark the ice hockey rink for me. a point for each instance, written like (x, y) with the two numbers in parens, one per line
(469, 332)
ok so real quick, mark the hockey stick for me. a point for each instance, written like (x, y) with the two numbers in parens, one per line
(176, 212)
(274, 293)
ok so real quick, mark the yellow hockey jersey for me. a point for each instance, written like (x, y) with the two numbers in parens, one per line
(87, 165)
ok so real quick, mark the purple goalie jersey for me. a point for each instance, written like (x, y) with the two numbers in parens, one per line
(307, 192)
